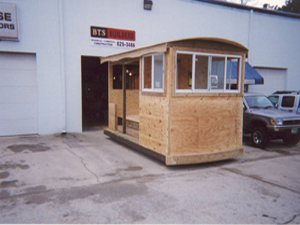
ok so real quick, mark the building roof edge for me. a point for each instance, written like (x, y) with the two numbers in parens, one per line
(255, 9)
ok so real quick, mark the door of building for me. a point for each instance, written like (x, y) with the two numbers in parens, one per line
(18, 94)
(94, 93)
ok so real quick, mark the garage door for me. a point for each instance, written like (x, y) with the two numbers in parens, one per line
(274, 79)
(18, 94)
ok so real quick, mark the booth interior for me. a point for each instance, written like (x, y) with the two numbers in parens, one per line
(179, 101)
(131, 74)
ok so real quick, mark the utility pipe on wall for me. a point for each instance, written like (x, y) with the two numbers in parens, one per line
(249, 33)
(62, 64)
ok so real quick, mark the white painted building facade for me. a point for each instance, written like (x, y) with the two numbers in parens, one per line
(41, 76)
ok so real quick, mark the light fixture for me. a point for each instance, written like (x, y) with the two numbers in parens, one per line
(148, 4)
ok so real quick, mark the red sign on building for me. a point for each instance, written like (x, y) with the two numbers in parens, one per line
(105, 37)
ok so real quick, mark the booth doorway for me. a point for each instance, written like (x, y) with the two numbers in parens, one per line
(94, 78)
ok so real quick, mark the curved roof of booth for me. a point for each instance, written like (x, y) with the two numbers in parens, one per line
(216, 44)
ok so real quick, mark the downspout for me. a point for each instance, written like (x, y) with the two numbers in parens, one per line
(249, 34)
(62, 64)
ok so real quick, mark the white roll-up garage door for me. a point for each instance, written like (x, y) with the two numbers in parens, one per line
(18, 94)
(274, 80)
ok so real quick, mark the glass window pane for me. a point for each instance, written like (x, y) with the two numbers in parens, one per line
(274, 99)
(201, 72)
(232, 73)
(132, 76)
(217, 73)
(147, 71)
(184, 71)
(158, 71)
(117, 77)
(288, 101)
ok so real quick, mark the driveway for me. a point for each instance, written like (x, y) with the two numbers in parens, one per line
(89, 178)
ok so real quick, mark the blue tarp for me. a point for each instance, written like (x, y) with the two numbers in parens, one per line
(250, 73)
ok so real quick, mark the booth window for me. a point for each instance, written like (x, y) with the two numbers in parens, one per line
(132, 76)
(117, 77)
(202, 72)
(153, 73)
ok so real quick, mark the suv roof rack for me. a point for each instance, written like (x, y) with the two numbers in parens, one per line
(287, 92)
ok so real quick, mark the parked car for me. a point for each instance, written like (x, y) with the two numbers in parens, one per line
(286, 100)
(265, 122)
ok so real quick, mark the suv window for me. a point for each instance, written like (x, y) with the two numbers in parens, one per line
(288, 101)
(274, 99)
(259, 102)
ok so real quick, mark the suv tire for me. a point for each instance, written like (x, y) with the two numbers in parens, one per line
(291, 139)
(259, 137)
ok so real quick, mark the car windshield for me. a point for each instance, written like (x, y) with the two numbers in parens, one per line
(259, 101)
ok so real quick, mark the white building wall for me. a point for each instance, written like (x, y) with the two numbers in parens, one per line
(274, 41)
(39, 33)
(274, 79)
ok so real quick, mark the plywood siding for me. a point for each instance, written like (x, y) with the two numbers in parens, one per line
(113, 120)
(132, 101)
(205, 125)
(154, 113)
(154, 123)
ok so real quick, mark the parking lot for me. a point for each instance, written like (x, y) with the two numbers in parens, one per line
(89, 178)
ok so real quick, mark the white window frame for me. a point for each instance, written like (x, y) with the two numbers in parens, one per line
(209, 89)
(153, 89)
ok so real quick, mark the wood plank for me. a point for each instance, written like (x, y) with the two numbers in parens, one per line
(132, 101)
(116, 97)
(204, 157)
(132, 98)
(133, 143)
(171, 68)
(130, 132)
(113, 119)
(124, 98)
(133, 118)
(156, 146)
(154, 123)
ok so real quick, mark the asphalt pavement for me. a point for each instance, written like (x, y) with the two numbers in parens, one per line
(89, 178)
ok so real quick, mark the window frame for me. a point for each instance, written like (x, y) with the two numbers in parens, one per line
(153, 89)
(285, 100)
(193, 90)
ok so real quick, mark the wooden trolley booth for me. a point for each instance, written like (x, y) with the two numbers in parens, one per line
(181, 101)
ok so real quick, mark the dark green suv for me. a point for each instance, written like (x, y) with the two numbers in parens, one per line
(265, 122)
